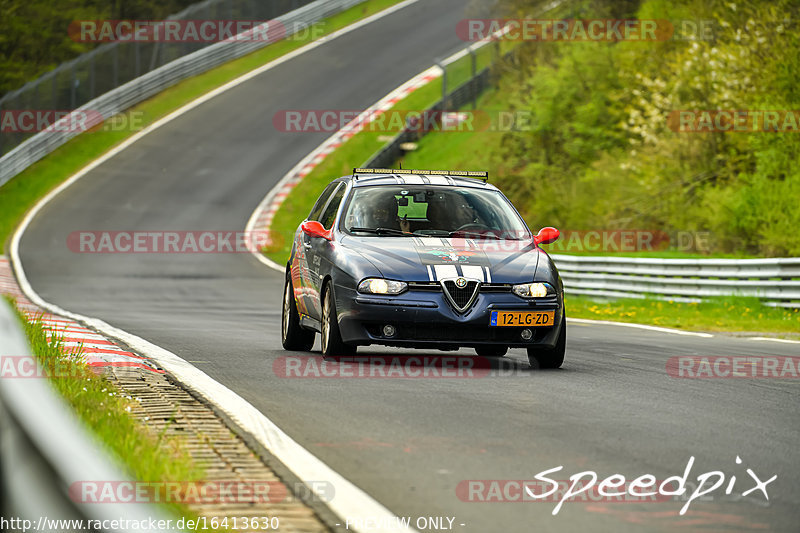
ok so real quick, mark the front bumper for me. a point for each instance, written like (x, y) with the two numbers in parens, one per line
(425, 319)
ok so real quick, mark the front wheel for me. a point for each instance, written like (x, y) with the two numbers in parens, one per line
(550, 357)
(293, 336)
(332, 343)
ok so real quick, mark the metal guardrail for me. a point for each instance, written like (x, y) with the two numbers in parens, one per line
(774, 281)
(155, 81)
(44, 450)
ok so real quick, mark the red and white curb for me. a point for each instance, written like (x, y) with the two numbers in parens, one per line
(96, 349)
(262, 217)
(264, 214)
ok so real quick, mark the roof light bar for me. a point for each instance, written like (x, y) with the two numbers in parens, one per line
(479, 174)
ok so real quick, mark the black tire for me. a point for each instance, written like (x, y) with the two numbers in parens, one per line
(550, 357)
(491, 351)
(293, 336)
(331, 338)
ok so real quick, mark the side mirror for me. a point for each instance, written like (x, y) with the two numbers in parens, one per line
(546, 235)
(312, 228)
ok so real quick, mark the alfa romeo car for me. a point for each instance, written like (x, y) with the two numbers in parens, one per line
(422, 259)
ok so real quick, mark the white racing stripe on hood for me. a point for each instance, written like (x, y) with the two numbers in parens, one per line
(474, 272)
(445, 271)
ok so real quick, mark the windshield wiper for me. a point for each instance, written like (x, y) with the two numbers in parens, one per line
(381, 231)
(475, 233)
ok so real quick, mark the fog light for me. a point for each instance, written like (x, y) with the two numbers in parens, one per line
(526, 334)
(389, 330)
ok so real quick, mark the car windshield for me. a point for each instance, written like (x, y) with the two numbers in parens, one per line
(438, 211)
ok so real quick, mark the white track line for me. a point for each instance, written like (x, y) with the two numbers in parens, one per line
(350, 501)
(771, 339)
(639, 326)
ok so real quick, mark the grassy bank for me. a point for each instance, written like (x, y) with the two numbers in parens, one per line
(146, 454)
(23, 191)
(731, 314)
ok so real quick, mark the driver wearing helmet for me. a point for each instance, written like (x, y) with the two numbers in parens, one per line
(381, 212)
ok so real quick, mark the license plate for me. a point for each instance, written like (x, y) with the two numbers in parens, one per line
(529, 319)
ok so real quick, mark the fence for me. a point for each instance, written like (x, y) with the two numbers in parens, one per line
(775, 281)
(467, 92)
(116, 76)
(44, 449)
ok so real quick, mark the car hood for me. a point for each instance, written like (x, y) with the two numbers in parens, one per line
(429, 259)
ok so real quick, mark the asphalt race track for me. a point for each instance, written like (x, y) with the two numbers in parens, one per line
(611, 409)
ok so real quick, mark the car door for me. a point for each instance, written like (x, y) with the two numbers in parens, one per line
(317, 252)
(300, 265)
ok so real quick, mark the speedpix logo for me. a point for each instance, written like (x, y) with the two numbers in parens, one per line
(588, 487)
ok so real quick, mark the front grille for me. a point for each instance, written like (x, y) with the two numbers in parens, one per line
(495, 287)
(424, 286)
(460, 298)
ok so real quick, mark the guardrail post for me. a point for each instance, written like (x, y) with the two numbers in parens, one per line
(91, 76)
(115, 79)
(444, 84)
(73, 84)
(136, 58)
(473, 72)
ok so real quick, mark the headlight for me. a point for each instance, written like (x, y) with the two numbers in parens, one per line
(534, 290)
(381, 286)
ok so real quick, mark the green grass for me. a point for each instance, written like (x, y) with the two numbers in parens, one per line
(730, 314)
(23, 191)
(148, 456)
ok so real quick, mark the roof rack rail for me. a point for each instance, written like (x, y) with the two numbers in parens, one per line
(478, 174)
